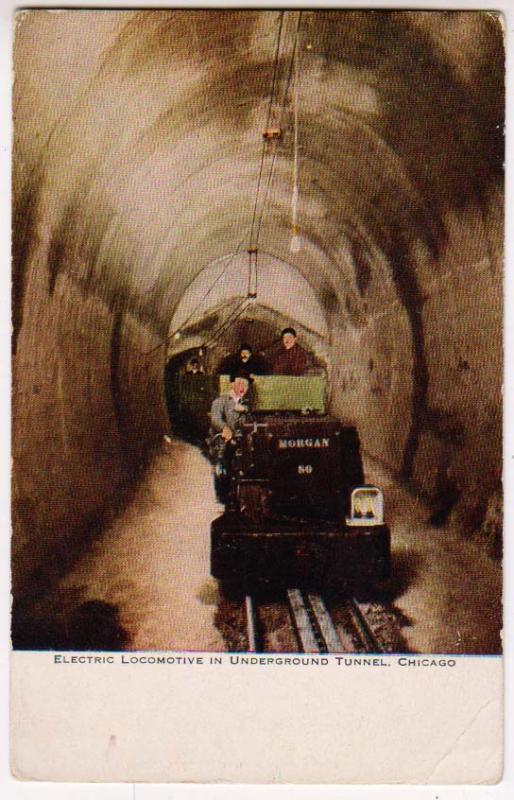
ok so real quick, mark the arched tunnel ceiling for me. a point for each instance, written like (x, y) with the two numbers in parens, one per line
(290, 295)
(137, 153)
(162, 128)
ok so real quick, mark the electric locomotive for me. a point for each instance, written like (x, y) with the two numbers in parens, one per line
(298, 511)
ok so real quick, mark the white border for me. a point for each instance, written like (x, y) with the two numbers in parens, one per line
(23, 791)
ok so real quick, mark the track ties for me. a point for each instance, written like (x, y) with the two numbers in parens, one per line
(313, 627)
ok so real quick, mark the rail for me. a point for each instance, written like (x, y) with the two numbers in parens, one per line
(313, 626)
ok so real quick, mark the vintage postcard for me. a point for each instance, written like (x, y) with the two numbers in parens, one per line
(257, 307)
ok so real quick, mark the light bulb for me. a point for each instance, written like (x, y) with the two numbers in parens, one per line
(296, 242)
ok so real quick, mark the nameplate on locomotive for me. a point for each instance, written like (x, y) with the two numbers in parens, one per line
(297, 444)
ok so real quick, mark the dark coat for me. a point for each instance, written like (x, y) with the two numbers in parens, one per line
(256, 365)
(294, 361)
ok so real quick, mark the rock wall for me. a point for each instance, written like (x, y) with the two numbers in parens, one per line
(88, 408)
(137, 152)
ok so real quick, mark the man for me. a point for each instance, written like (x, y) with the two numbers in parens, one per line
(246, 360)
(194, 367)
(291, 359)
(227, 415)
(193, 392)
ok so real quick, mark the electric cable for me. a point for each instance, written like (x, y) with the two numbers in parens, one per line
(251, 249)
(286, 91)
(200, 302)
(254, 242)
(263, 151)
(234, 314)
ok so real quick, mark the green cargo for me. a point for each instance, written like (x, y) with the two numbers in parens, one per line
(285, 393)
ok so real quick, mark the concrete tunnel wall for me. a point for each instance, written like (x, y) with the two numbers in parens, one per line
(137, 139)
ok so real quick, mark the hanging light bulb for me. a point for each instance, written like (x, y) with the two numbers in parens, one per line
(296, 240)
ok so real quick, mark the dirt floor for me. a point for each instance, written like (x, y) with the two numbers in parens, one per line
(446, 587)
(146, 585)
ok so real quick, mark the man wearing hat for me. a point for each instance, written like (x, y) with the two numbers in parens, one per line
(227, 415)
(245, 359)
(291, 359)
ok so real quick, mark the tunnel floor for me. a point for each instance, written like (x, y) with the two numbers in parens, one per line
(151, 569)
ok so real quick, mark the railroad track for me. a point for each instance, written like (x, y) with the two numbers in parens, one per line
(313, 627)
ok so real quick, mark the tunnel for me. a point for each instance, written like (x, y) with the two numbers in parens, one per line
(163, 163)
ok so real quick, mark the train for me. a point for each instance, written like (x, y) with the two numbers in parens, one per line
(298, 511)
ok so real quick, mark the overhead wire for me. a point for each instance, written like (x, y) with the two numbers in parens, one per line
(295, 244)
(200, 302)
(292, 63)
(270, 108)
(252, 249)
(282, 109)
(256, 223)
(234, 314)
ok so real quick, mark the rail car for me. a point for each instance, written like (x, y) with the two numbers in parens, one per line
(298, 511)
(189, 398)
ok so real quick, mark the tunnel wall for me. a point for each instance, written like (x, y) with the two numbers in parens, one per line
(88, 407)
(452, 425)
(460, 423)
(114, 119)
(371, 382)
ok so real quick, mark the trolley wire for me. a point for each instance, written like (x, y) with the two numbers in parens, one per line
(282, 109)
(200, 302)
(268, 120)
(256, 223)
(274, 156)
(252, 246)
(232, 317)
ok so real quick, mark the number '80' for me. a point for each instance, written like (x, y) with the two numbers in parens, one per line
(304, 469)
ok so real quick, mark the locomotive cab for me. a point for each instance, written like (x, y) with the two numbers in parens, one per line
(298, 510)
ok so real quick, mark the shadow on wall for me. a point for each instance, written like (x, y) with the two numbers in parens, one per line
(93, 625)
(49, 562)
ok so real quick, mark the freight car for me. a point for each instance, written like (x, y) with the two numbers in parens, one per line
(189, 398)
(298, 511)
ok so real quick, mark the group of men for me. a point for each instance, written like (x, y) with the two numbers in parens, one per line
(288, 359)
(228, 410)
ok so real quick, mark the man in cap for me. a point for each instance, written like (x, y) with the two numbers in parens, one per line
(227, 415)
(291, 359)
(245, 359)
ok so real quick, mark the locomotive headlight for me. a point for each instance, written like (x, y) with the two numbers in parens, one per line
(366, 506)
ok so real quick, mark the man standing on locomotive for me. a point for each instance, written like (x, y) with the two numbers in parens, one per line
(227, 414)
(291, 359)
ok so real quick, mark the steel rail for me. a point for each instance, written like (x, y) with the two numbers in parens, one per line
(303, 626)
(313, 626)
(364, 629)
(251, 624)
(335, 641)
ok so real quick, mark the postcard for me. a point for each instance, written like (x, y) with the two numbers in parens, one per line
(257, 349)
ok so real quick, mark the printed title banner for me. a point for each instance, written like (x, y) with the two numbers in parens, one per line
(146, 716)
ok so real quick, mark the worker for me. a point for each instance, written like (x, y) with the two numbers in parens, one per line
(194, 367)
(245, 359)
(227, 415)
(290, 359)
